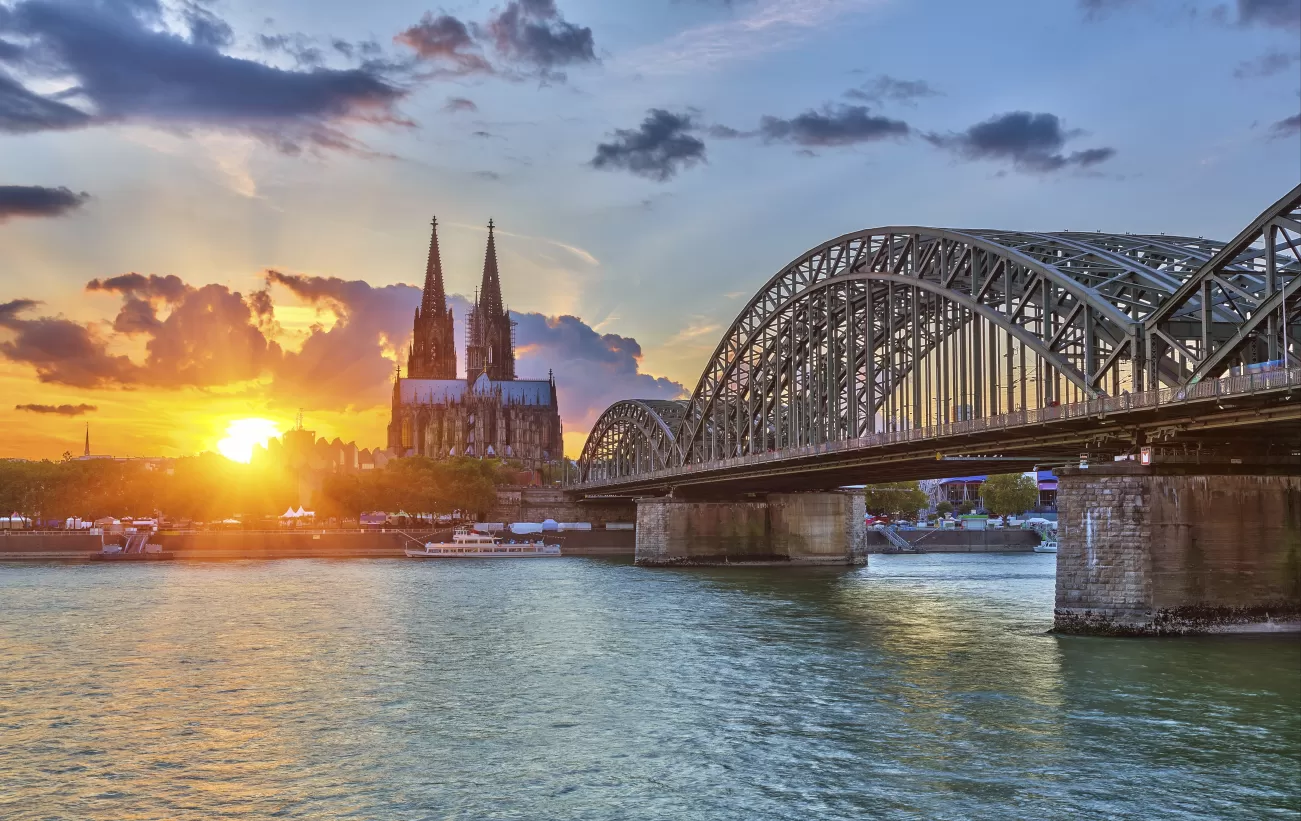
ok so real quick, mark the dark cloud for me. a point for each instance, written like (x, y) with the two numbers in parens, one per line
(61, 410)
(1266, 65)
(302, 48)
(834, 125)
(23, 111)
(210, 337)
(207, 29)
(491, 176)
(533, 34)
(60, 350)
(1284, 14)
(887, 89)
(122, 64)
(38, 201)
(661, 147)
(141, 297)
(455, 104)
(170, 288)
(136, 316)
(11, 309)
(726, 132)
(1032, 142)
(350, 364)
(1274, 13)
(445, 40)
(593, 370)
(1096, 9)
(1288, 127)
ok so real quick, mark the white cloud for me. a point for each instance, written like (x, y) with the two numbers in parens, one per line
(773, 25)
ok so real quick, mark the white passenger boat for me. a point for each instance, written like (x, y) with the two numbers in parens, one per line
(1047, 545)
(466, 544)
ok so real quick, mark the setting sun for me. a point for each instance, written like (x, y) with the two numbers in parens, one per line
(243, 434)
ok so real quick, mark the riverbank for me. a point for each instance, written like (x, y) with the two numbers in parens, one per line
(235, 544)
(354, 544)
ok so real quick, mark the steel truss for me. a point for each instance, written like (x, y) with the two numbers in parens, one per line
(908, 327)
(632, 436)
(1242, 306)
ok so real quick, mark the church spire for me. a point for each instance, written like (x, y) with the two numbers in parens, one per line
(490, 288)
(490, 334)
(87, 451)
(433, 349)
(435, 298)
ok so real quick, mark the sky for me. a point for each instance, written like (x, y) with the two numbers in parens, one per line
(212, 211)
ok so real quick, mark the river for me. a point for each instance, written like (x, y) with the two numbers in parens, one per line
(921, 687)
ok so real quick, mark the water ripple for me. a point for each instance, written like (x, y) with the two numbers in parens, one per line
(921, 687)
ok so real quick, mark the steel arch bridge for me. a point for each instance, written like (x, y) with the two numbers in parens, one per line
(905, 329)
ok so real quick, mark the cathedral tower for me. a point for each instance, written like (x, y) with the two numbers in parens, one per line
(490, 333)
(433, 347)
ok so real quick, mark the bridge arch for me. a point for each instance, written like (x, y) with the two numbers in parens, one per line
(905, 327)
(632, 436)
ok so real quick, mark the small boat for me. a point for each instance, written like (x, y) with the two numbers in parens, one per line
(136, 549)
(1048, 545)
(466, 544)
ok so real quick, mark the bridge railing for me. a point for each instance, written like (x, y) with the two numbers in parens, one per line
(1244, 384)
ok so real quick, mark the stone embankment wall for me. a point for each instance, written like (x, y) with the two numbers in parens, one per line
(958, 541)
(785, 528)
(537, 504)
(38, 546)
(230, 545)
(1152, 551)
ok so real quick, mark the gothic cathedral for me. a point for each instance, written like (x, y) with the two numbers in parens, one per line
(490, 413)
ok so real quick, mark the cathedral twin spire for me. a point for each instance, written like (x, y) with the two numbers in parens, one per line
(433, 344)
(490, 335)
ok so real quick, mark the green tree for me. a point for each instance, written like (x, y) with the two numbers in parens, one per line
(898, 500)
(944, 508)
(965, 508)
(1010, 493)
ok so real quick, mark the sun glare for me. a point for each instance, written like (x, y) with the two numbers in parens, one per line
(242, 435)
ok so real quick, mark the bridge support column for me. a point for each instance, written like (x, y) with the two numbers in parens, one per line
(781, 528)
(1178, 549)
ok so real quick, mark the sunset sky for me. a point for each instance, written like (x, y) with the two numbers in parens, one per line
(212, 211)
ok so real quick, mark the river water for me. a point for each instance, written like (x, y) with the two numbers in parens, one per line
(922, 687)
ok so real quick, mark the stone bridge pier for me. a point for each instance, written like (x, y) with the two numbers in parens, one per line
(1178, 549)
(778, 528)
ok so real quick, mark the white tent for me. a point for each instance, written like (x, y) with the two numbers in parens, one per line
(288, 514)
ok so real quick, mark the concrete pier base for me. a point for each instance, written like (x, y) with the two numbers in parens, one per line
(1183, 549)
(781, 528)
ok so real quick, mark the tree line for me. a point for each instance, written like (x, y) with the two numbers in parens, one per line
(1004, 495)
(210, 488)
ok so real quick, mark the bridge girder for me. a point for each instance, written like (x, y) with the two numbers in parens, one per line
(906, 327)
